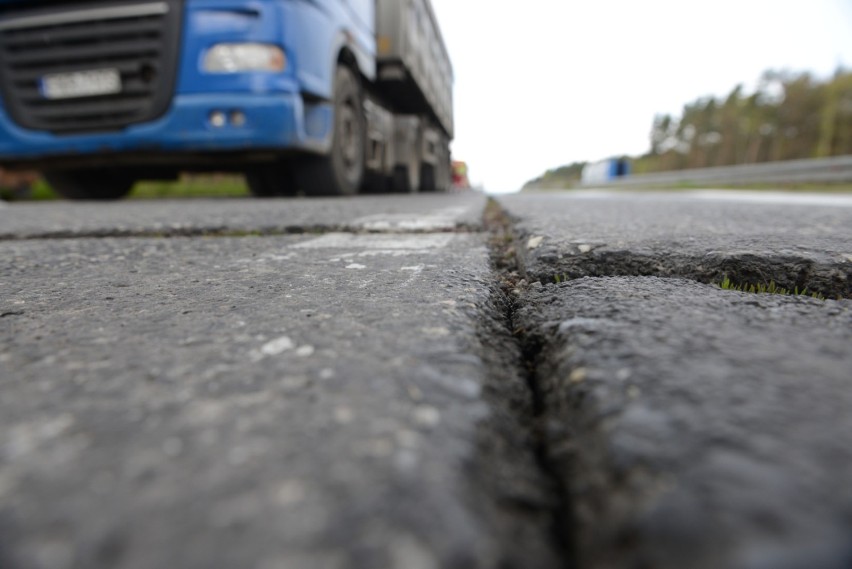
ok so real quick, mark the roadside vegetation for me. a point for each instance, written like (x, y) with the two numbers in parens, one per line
(789, 116)
(197, 186)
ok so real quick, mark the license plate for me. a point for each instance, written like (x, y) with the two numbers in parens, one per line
(81, 84)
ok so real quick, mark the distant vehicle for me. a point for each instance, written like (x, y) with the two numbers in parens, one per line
(460, 179)
(604, 171)
(326, 97)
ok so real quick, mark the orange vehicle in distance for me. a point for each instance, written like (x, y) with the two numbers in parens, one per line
(460, 179)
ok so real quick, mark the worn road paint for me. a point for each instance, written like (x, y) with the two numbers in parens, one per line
(390, 242)
(442, 220)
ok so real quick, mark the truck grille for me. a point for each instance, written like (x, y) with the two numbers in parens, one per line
(136, 40)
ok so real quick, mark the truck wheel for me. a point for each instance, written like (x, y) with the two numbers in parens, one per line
(401, 181)
(375, 183)
(341, 172)
(271, 180)
(90, 184)
(427, 178)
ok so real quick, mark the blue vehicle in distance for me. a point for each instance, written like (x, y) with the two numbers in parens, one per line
(604, 171)
(315, 97)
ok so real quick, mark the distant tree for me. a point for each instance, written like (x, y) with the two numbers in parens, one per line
(789, 116)
(661, 133)
(843, 131)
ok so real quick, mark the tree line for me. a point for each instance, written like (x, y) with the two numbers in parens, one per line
(789, 116)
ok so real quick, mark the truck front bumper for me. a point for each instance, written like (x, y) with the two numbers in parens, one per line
(193, 125)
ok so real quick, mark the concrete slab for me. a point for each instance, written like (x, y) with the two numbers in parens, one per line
(301, 402)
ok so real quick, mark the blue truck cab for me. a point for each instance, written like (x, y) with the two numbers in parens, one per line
(97, 94)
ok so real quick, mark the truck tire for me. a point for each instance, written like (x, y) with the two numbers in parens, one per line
(341, 172)
(375, 183)
(271, 180)
(90, 184)
(401, 181)
(427, 178)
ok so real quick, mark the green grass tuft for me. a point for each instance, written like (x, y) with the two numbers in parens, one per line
(187, 187)
(762, 288)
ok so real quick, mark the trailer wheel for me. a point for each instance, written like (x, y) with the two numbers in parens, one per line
(427, 178)
(401, 181)
(375, 183)
(271, 180)
(90, 184)
(341, 172)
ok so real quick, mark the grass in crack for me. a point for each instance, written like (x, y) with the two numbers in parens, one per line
(762, 288)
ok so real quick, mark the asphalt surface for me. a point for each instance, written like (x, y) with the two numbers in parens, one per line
(286, 401)
(241, 216)
(352, 383)
(696, 427)
(692, 426)
(751, 238)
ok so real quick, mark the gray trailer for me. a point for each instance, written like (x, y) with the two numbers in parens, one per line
(412, 55)
(415, 79)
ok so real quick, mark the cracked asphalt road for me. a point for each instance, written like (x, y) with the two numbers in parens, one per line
(691, 426)
(351, 383)
(316, 400)
(697, 235)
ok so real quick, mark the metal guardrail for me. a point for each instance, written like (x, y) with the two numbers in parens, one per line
(818, 170)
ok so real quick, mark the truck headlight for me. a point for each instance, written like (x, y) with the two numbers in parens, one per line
(242, 57)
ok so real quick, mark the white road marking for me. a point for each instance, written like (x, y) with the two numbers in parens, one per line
(443, 219)
(382, 242)
(415, 271)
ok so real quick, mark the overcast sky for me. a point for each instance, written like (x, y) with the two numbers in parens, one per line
(542, 83)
